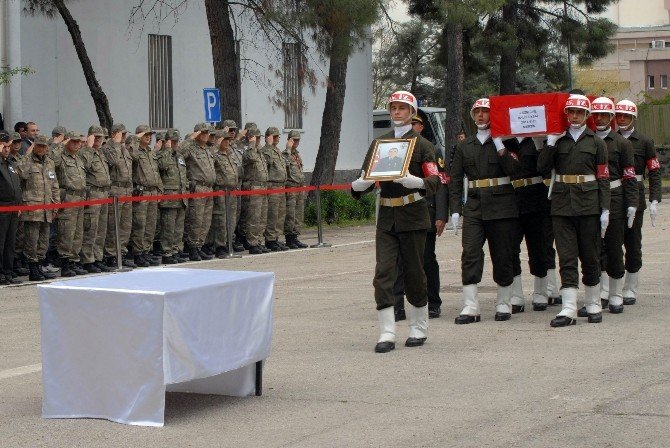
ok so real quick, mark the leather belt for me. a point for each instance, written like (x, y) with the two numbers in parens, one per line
(615, 184)
(518, 183)
(401, 201)
(485, 183)
(547, 182)
(639, 177)
(575, 178)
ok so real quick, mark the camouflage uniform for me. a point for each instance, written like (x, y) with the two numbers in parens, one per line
(226, 179)
(276, 202)
(295, 202)
(254, 207)
(172, 168)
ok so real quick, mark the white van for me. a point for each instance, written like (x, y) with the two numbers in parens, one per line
(433, 121)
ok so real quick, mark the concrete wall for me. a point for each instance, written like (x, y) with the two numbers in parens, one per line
(627, 13)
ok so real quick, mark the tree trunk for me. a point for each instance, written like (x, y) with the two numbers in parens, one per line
(454, 85)
(225, 58)
(331, 123)
(508, 56)
(99, 98)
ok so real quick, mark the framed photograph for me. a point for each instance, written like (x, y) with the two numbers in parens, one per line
(390, 159)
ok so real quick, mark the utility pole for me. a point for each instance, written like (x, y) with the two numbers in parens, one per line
(565, 17)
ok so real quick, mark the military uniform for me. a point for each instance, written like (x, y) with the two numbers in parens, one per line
(239, 148)
(295, 202)
(14, 159)
(276, 213)
(10, 195)
(223, 219)
(172, 168)
(98, 183)
(581, 191)
(255, 207)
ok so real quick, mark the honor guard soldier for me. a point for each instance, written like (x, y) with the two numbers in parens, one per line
(146, 182)
(71, 175)
(223, 218)
(255, 207)
(580, 202)
(402, 223)
(201, 177)
(117, 151)
(98, 185)
(172, 169)
(276, 180)
(490, 213)
(646, 164)
(295, 201)
(10, 195)
(39, 185)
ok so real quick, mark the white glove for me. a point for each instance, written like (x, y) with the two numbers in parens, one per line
(454, 222)
(360, 184)
(630, 213)
(653, 211)
(539, 143)
(604, 222)
(499, 143)
(410, 181)
(553, 138)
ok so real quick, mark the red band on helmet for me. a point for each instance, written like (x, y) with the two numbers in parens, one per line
(430, 169)
(603, 171)
(401, 97)
(444, 179)
(653, 164)
(629, 173)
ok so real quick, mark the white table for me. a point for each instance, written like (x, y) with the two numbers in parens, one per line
(112, 345)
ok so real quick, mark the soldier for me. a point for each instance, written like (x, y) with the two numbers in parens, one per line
(201, 177)
(401, 227)
(56, 142)
(242, 141)
(98, 185)
(173, 136)
(70, 221)
(10, 195)
(226, 179)
(14, 158)
(646, 163)
(490, 213)
(580, 202)
(117, 151)
(146, 182)
(172, 168)
(255, 207)
(276, 180)
(40, 186)
(295, 202)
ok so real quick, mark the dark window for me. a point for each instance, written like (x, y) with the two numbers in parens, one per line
(664, 81)
(650, 82)
(160, 81)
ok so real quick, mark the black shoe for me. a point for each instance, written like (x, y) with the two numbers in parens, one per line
(245, 244)
(562, 321)
(604, 303)
(66, 268)
(153, 261)
(299, 243)
(264, 249)
(169, 260)
(34, 273)
(141, 262)
(181, 259)
(540, 307)
(434, 311)
(282, 246)
(414, 342)
(207, 249)
(500, 317)
(91, 268)
(291, 245)
(465, 319)
(20, 268)
(615, 309)
(518, 309)
(384, 347)
(78, 269)
(273, 246)
(9, 280)
(221, 252)
(204, 255)
(103, 267)
(595, 318)
(47, 275)
(582, 312)
(629, 300)
(4, 280)
(256, 250)
(194, 254)
(399, 314)
(128, 262)
(238, 247)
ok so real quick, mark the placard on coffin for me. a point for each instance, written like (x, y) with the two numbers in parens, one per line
(528, 115)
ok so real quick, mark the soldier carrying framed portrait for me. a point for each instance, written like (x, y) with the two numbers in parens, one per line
(390, 159)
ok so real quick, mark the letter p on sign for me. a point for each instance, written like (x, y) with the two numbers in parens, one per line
(212, 101)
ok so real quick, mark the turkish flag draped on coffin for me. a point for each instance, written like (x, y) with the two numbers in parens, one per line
(528, 115)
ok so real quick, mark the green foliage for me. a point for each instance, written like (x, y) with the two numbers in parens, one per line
(7, 73)
(338, 208)
(651, 101)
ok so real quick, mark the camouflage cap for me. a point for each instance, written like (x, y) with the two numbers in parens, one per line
(219, 133)
(4, 137)
(133, 141)
(250, 125)
(96, 130)
(255, 132)
(172, 134)
(15, 136)
(144, 128)
(118, 127)
(230, 124)
(272, 131)
(58, 130)
(41, 140)
(74, 135)
(202, 127)
(295, 135)
(104, 132)
(160, 136)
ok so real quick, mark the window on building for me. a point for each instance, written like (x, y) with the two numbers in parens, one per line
(650, 82)
(293, 67)
(664, 81)
(160, 81)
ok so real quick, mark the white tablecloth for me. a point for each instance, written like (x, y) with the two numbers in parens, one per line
(112, 344)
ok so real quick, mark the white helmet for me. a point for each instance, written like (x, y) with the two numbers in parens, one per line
(578, 102)
(481, 102)
(403, 96)
(602, 105)
(626, 107)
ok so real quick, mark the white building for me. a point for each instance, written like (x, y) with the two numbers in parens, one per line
(57, 93)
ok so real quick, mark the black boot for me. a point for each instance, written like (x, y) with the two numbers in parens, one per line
(299, 243)
(76, 267)
(194, 254)
(20, 266)
(66, 268)
(91, 268)
(273, 246)
(103, 267)
(290, 242)
(34, 274)
(47, 275)
(205, 255)
(140, 261)
(255, 250)
(281, 245)
(221, 252)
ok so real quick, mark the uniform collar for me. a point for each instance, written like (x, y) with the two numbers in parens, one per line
(400, 131)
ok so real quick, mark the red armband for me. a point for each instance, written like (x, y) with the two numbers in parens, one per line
(653, 164)
(603, 171)
(430, 169)
(444, 178)
(629, 173)
(513, 155)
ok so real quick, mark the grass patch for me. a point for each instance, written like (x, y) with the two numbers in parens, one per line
(341, 209)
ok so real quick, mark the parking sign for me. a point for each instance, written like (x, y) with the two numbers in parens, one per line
(212, 101)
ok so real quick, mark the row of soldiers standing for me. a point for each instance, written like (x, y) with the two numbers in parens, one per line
(71, 167)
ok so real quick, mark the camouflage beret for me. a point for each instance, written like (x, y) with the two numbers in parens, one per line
(230, 124)
(172, 134)
(133, 141)
(272, 131)
(15, 136)
(160, 135)
(250, 125)
(74, 135)
(41, 140)
(201, 127)
(295, 135)
(143, 128)
(58, 130)
(118, 127)
(96, 130)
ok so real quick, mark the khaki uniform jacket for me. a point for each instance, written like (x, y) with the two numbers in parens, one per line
(276, 164)
(226, 170)
(531, 198)
(39, 185)
(620, 156)
(644, 152)
(294, 174)
(71, 176)
(172, 169)
(120, 164)
(237, 154)
(413, 216)
(145, 170)
(96, 166)
(580, 157)
(255, 168)
(199, 165)
(477, 162)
